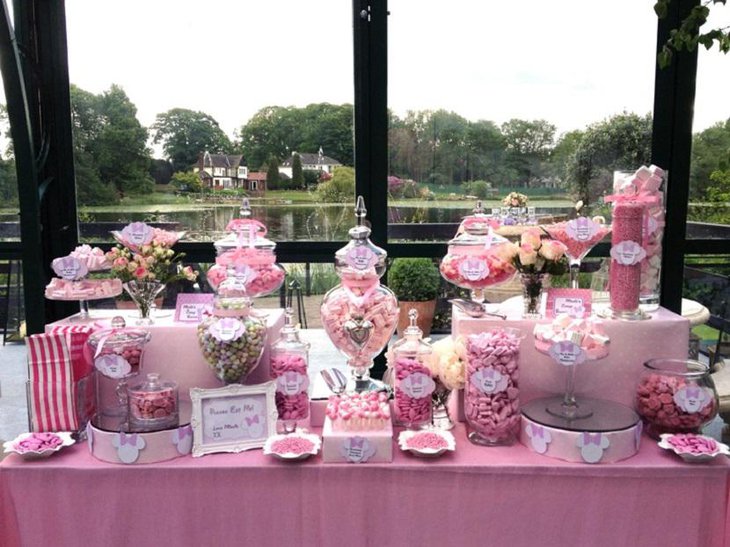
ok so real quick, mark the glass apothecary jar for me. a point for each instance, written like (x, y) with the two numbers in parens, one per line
(153, 404)
(412, 377)
(477, 257)
(232, 339)
(289, 368)
(676, 396)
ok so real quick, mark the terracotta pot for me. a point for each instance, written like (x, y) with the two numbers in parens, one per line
(425, 310)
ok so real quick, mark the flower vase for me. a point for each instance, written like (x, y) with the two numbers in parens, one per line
(143, 294)
(440, 418)
(532, 287)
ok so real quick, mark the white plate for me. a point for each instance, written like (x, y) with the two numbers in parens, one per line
(293, 456)
(689, 456)
(405, 436)
(65, 437)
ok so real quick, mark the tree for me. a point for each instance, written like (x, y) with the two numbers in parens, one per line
(161, 171)
(528, 145)
(710, 151)
(297, 175)
(560, 155)
(340, 188)
(272, 174)
(186, 182)
(620, 142)
(185, 134)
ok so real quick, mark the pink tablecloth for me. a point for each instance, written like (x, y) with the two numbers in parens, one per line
(477, 496)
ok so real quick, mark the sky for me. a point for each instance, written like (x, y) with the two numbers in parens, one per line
(571, 62)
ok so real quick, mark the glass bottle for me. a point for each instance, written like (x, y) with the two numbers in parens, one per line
(153, 404)
(412, 377)
(289, 363)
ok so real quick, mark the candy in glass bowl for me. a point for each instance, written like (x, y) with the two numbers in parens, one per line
(360, 315)
(477, 257)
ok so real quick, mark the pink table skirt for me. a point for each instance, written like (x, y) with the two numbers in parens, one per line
(476, 496)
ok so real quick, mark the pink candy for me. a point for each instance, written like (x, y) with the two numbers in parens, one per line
(152, 405)
(292, 444)
(359, 411)
(411, 411)
(491, 402)
(427, 439)
(593, 338)
(37, 442)
(693, 444)
(296, 406)
(497, 269)
(575, 249)
(85, 289)
(625, 280)
(655, 403)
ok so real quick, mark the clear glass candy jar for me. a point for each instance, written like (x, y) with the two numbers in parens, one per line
(676, 396)
(232, 339)
(117, 352)
(412, 377)
(360, 261)
(153, 404)
(477, 257)
(289, 362)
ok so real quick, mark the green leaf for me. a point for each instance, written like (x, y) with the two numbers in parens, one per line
(660, 8)
(665, 57)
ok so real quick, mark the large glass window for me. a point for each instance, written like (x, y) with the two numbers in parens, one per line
(180, 109)
(483, 103)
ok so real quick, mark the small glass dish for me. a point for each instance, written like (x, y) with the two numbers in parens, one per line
(705, 448)
(293, 446)
(427, 443)
(29, 454)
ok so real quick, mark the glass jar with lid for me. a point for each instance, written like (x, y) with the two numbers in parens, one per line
(412, 377)
(153, 404)
(477, 257)
(289, 363)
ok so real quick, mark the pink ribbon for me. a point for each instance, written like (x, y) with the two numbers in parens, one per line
(360, 300)
(357, 442)
(537, 431)
(589, 438)
(254, 420)
(131, 440)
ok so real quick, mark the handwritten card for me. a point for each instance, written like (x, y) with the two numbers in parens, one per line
(233, 418)
(573, 302)
(190, 308)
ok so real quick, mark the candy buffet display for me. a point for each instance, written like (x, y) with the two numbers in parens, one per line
(288, 364)
(247, 256)
(360, 315)
(358, 428)
(477, 257)
(491, 397)
(153, 404)
(579, 235)
(412, 377)
(676, 396)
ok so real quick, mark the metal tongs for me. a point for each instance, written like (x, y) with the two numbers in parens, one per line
(334, 379)
(474, 309)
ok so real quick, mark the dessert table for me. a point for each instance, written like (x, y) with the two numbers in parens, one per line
(475, 496)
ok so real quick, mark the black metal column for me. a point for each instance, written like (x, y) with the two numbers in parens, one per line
(674, 94)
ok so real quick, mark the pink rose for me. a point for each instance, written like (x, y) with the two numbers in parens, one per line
(120, 262)
(531, 236)
(528, 255)
(552, 250)
(140, 272)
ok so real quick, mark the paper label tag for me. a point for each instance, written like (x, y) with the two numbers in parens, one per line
(628, 253)
(137, 233)
(69, 268)
(112, 365)
(474, 269)
(488, 380)
(357, 449)
(567, 353)
(227, 329)
(576, 303)
(191, 308)
(361, 258)
(692, 399)
(417, 385)
(581, 229)
(572, 306)
(292, 383)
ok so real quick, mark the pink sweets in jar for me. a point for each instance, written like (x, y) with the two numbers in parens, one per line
(676, 396)
(491, 396)
(289, 360)
(153, 404)
(626, 256)
(117, 352)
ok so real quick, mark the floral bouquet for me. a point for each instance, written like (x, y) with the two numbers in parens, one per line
(448, 367)
(515, 199)
(144, 253)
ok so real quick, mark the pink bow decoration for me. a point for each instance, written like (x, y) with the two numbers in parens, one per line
(183, 432)
(417, 380)
(537, 431)
(589, 438)
(357, 442)
(691, 393)
(254, 420)
(131, 440)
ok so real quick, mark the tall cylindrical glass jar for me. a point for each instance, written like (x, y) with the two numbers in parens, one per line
(626, 256)
(412, 377)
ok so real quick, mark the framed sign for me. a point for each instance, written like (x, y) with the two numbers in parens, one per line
(574, 302)
(190, 307)
(232, 418)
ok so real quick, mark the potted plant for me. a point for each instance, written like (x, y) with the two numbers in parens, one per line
(415, 281)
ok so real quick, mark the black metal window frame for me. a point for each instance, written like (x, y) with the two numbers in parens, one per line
(34, 63)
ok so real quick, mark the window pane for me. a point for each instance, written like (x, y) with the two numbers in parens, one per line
(484, 103)
(708, 212)
(256, 85)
